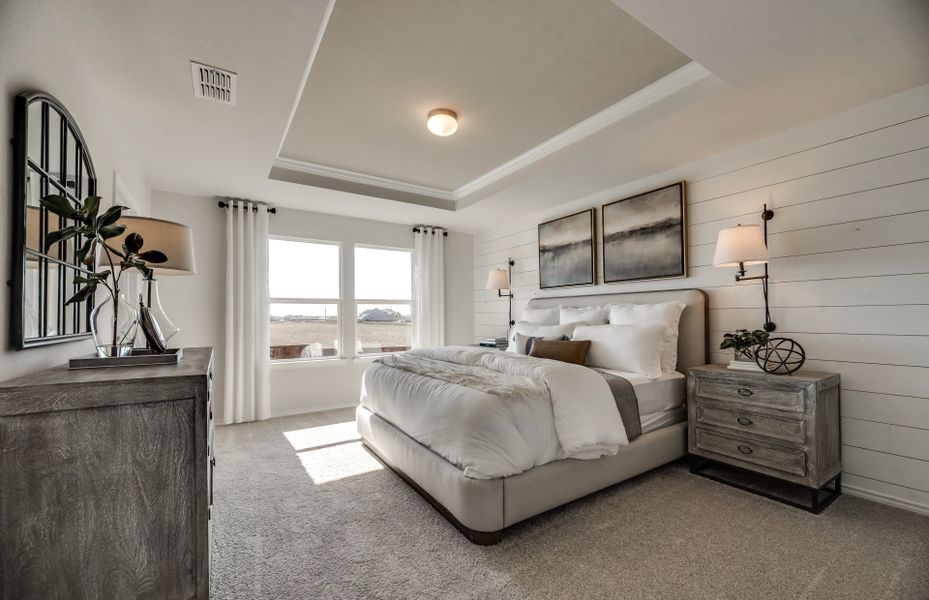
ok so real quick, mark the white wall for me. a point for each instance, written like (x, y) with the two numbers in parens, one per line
(849, 273)
(37, 52)
(197, 303)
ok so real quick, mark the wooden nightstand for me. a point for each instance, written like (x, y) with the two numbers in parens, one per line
(783, 427)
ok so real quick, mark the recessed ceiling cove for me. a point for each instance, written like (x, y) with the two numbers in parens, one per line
(516, 73)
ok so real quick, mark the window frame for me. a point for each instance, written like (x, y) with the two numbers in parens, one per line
(339, 302)
(357, 300)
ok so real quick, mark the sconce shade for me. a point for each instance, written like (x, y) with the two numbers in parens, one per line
(744, 244)
(498, 279)
(174, 239)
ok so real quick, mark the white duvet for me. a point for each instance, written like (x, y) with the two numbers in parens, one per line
(495, 414)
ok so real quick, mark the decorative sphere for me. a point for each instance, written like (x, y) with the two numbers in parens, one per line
(781, 356)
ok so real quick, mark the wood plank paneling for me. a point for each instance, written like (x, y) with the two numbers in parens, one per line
(849, 247)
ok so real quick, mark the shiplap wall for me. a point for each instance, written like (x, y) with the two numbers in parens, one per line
(849, 246)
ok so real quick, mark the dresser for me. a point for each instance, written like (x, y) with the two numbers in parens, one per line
(106, 482)
(782, 427)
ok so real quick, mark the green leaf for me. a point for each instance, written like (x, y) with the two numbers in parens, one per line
(111, 231)
(60, 206)
(61, 235)
(91, 207)
(109, 217)
(85, 249)
(153, 256)
(82, 295)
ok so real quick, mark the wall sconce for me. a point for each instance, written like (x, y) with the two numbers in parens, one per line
(498, 279)
(743, 246)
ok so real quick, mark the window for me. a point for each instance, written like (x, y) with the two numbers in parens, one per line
(383, 300)
(305, 289)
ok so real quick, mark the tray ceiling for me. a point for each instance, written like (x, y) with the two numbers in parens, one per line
(517, 73)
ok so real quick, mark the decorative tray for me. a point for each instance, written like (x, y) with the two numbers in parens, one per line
(140, 357)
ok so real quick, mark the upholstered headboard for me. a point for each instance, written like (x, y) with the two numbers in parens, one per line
(693, 341)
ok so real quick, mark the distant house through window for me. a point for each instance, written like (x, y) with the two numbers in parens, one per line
(383, 299)
(305, 288)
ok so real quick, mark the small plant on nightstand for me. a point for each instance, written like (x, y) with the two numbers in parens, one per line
(743, 343)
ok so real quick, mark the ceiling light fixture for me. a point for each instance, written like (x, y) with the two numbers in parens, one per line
(442, 122)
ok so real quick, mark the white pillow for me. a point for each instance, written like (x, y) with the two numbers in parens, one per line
(635, 348)
(594, 315)
(666, 313)
(543, 331)
(540, 316)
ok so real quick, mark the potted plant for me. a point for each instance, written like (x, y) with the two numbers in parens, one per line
(743, 343)
(113, 321)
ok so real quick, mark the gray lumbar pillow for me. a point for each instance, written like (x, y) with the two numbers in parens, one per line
(524, 342)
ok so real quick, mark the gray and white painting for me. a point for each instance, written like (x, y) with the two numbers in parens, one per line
(643, 236)
(566, 251)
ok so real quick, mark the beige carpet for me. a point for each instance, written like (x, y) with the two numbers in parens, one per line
(302, 511)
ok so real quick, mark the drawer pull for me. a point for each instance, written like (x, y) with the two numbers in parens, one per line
(744, 421)
(744, 449)
(745, 392)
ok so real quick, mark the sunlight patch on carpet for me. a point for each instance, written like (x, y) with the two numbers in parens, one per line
(322, 435)
(341, 461)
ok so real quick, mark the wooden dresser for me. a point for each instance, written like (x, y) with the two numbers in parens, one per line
(105, 482)
(784, 427)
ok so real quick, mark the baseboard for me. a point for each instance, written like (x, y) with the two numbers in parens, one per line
(300, 410)
(917, 507)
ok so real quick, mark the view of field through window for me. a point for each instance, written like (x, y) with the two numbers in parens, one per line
(304, 284)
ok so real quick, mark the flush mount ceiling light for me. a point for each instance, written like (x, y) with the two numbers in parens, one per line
(442, 122)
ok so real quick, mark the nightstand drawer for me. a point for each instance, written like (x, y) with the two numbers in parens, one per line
(747, 391)
(787, 429)
(753, 452)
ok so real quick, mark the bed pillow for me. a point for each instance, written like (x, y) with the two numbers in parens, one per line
(574, 352)
(633, 348)
(527, 329)
(666, 313)
(592, 315)
(540, 316)
(524, 343)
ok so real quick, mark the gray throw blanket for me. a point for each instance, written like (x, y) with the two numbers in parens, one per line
(626, 402)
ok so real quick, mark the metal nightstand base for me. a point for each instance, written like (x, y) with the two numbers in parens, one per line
(820, 498)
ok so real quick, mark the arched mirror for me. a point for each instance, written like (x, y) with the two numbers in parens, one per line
(49, 157)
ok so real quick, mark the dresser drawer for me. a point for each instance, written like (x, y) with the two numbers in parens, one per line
(791, 430)
(746, 391)
(750, 451)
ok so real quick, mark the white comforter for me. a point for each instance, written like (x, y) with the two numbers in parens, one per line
(494, 414)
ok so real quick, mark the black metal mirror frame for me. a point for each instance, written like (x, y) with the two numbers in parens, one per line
(83, 183)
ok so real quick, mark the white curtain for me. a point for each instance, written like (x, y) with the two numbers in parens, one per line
(247, 361)
(429, 287)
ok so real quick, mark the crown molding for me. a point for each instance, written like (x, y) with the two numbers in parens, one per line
(671, 83)
(362, 178)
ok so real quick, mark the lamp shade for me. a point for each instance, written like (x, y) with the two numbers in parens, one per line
(498, 279)
(174, 239)
(743, 244)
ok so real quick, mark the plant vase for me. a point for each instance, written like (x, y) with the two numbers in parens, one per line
(114, 327)
(745, 354)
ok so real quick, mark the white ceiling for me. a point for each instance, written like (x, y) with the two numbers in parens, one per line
(516, 72)
(763, 67)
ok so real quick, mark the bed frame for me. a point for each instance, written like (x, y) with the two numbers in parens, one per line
(482, 508)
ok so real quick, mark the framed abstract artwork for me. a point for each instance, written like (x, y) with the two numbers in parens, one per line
(567, 254)
(644, 236)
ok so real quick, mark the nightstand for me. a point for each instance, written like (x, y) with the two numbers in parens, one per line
(784, 428)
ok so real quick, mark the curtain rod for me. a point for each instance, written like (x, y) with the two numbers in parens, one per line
(273, 211)
(418, 228)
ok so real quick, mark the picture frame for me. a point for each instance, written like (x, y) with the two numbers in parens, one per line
(568, 251)
(644, 237)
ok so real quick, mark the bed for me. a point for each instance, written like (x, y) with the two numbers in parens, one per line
(482, 506)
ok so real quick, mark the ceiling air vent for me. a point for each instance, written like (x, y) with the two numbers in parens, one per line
(214, 84)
